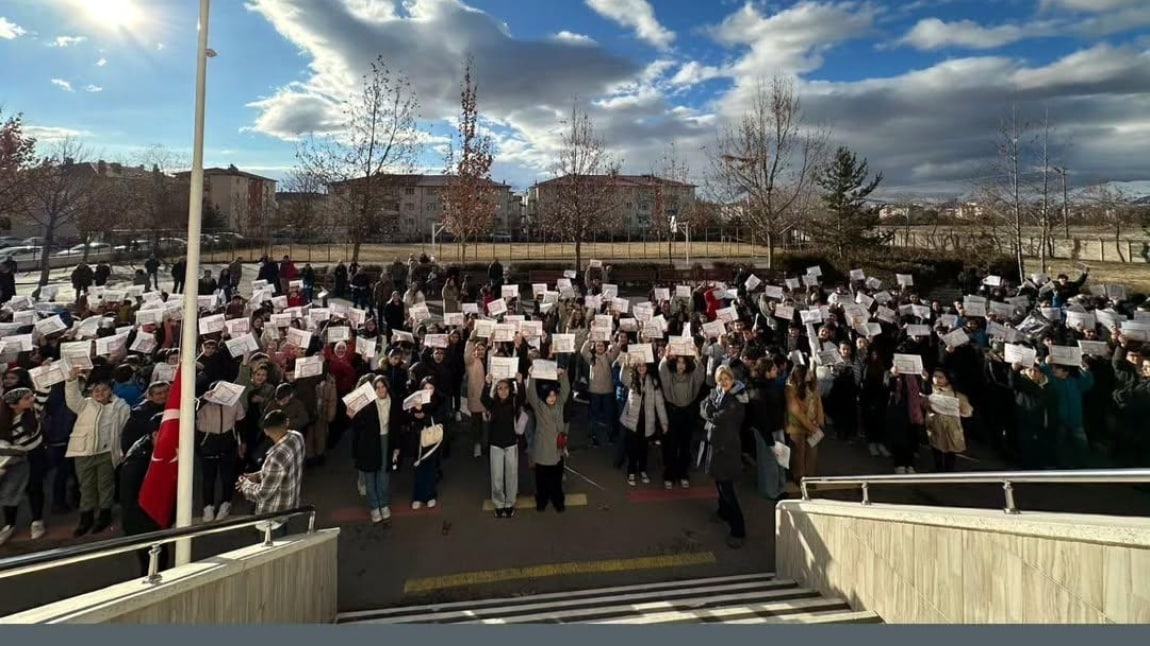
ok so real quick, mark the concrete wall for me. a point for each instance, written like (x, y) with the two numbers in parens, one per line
(293, 582)
(950, 565)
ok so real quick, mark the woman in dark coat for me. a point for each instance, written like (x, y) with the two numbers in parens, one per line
(133, 519)
(724, 411)
(371, 432)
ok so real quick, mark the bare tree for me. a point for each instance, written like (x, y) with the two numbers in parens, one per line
(1006, 188)
(1110, 205)
(582, 199)
(17, 155)
(60, 191)
(358, 162)
(769, 159)
(303, 210)
(469, 199)
(672, 198)
(161, 195)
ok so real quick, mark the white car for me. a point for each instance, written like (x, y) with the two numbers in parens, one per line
(21, 254)
(94, 248)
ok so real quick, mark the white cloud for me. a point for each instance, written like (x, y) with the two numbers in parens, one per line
(638, 15)
(102, 62)
(67, 41)
(93, 88)
(49, 134)
(574, 39)
(10, 30)
(932, 33)
(693, 72)
(62, 84)
(792, 40)
(1090, 5)
(929, 128)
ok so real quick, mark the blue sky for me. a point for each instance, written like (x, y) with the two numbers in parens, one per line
(916, 86)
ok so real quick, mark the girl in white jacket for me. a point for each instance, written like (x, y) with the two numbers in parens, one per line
(95, 445)
(643, 413)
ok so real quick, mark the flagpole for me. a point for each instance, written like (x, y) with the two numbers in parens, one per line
(189, 327)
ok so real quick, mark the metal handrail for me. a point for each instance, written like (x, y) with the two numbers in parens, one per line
(1006, 478)
(28, 563)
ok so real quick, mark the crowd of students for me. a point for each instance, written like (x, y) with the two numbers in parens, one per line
(717, 376)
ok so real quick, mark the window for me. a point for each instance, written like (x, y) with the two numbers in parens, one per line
(409, 191)
(409, 206)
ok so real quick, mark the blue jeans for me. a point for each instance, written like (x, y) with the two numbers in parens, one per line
(504, 476)
(602, 416)
(772, 479)
(378, 483)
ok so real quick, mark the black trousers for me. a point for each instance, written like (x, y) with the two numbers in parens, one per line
(636, 451)
(549, 486)
(677, 443)
(219, 461)
(903, 444)
(729, 509)
(943, 462)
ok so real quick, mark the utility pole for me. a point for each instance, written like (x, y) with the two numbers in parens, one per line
(1065, 203)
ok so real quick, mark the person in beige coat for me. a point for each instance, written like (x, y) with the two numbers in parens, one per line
(95, 445)
(475, 363)
(804, 426)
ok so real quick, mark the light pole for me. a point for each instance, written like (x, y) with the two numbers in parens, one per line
(686, 227)
(189, 330)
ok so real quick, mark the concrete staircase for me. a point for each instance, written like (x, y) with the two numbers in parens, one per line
(743, 599)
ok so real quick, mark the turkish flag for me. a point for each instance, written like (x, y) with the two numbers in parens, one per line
(158, 493)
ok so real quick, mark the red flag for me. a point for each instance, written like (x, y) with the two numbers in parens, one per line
(158, 493)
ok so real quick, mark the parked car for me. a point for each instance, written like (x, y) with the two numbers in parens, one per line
(93, 248)
(21, 253)
(9, 241)
(501, 237)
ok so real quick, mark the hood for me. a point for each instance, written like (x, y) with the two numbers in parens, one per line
(736, 389)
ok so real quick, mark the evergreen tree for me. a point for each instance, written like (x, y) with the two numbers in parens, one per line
(848, 223)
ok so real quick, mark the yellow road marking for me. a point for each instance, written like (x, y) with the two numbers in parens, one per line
(466, 579)
(528, 502)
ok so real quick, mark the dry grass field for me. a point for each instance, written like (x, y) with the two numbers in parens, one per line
(1136, 276)
(505, 252)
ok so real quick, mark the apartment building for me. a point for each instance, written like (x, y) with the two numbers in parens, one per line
(415, 204)
(103, 200)
(638, 199)
(246, 201)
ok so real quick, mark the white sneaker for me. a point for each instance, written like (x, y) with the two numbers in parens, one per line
(898, 471)
(360, 486)
(209, 514)
(873, 448)
(631, 479)
(6, 533)
(416, 505)
(431, 503)
(376, 516)
(685, 483)
(667, 484)
(385, 513)
(883, 451)
(645, 478)
(478, 451)
(910, 470)
(38, 530)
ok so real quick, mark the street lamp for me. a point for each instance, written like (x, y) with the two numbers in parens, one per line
(189, 328)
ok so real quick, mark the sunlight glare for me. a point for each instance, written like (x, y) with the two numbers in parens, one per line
(112, 13)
